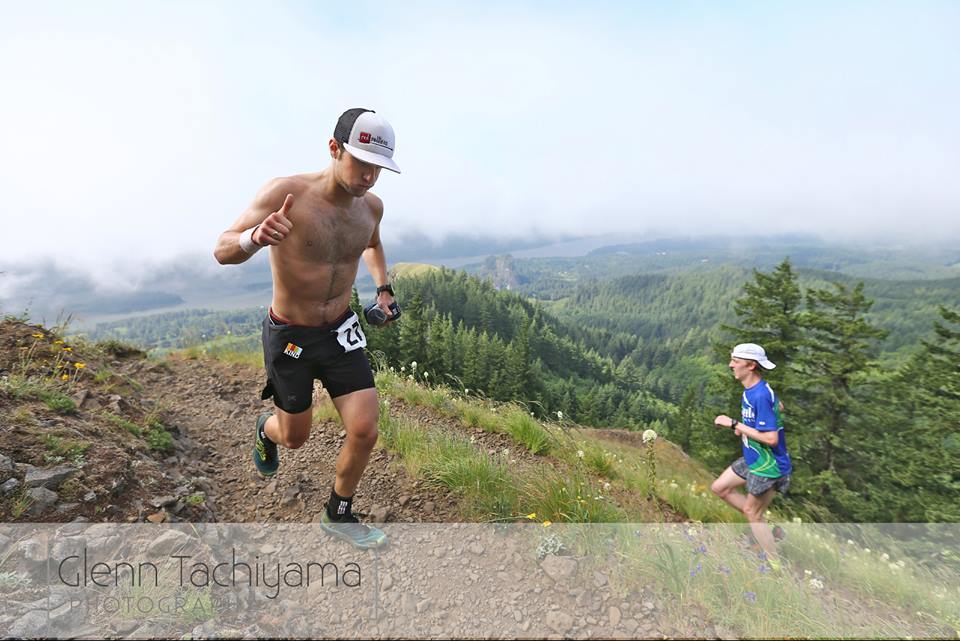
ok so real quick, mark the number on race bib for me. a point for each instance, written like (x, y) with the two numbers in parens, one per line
(350, 336)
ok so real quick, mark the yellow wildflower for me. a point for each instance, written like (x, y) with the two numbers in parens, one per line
(37, 335)
(532, 515)
(59, 341)
(79, 365)
(65, 377)
(547, 523)
(68, 349)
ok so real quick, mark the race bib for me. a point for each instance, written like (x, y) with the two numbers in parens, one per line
(349, 334)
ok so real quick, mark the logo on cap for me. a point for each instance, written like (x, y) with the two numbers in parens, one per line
(364, 137)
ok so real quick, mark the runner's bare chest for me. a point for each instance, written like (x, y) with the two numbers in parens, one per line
(326, 234)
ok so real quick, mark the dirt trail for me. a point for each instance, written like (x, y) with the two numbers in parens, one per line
(216, 405)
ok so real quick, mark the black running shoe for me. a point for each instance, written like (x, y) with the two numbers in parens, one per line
(265, 455)
(778, 533)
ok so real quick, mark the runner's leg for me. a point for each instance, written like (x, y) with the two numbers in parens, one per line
(289, 430)
(754, 509)
(359, 412)
(725, 487)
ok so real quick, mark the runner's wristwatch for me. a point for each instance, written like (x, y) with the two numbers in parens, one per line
(386, 288)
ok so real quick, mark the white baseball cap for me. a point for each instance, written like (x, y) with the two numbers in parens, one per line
(367, 137)
(752, 352)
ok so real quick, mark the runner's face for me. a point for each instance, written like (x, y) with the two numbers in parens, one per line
(356, 177)
(741, 368)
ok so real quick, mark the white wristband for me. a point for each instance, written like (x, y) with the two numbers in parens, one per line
(246, 242)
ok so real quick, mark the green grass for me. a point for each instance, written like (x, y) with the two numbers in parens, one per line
(527, 431)
(123, 423)
(488, 488)
(326, 411)
(64, 447)
(159, 439)
(59, 403)
(20, 503)
(562, 498)
(22, 387)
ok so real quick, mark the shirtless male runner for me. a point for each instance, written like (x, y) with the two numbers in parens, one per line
(318, 226)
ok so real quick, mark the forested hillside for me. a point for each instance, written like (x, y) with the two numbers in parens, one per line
(857, 376)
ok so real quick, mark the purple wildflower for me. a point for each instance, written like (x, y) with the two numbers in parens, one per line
(751, 597)
(763, 568)
(762, 555)
(702, 549)
(726, 570)
(695, 571)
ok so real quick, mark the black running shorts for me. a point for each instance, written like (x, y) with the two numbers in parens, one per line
(758, 485)
(295, 355)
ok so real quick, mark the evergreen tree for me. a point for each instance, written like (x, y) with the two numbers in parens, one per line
(828, 436)
(768, 315)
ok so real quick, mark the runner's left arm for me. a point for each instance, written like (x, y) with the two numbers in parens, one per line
(376, 261)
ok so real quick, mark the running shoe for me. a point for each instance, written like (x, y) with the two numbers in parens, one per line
(265, 456)
(353, 531)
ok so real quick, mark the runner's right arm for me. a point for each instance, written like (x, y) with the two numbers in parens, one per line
(266, 215)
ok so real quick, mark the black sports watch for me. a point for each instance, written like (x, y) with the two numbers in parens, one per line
(386, 288)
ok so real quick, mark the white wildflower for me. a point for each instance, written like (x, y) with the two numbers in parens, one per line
(816, 584)
(850, 542)
(403, 368)
(391, 368)
(674, 485)
(606, 486)
(867, 550)
(797, 519)
(413, 365)
(901, 564)
(807, 573)
(426, 374)
(466, 390)
(649, 436)
(559, 416)
(580, 453)
(885, 556)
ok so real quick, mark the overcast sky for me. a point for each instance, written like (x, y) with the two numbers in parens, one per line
(136, 131)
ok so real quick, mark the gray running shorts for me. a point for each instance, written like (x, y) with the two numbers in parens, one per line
(758, 485)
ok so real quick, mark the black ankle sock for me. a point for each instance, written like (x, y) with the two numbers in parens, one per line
(339, 507)
(263, 432)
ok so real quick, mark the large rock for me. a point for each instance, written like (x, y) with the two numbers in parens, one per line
(9, 486)
(48, 478)
(40, 499)
(6, 465)
(559, 568)
(615, 616)
(559, 621)
(379, 514)
(163, 501)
